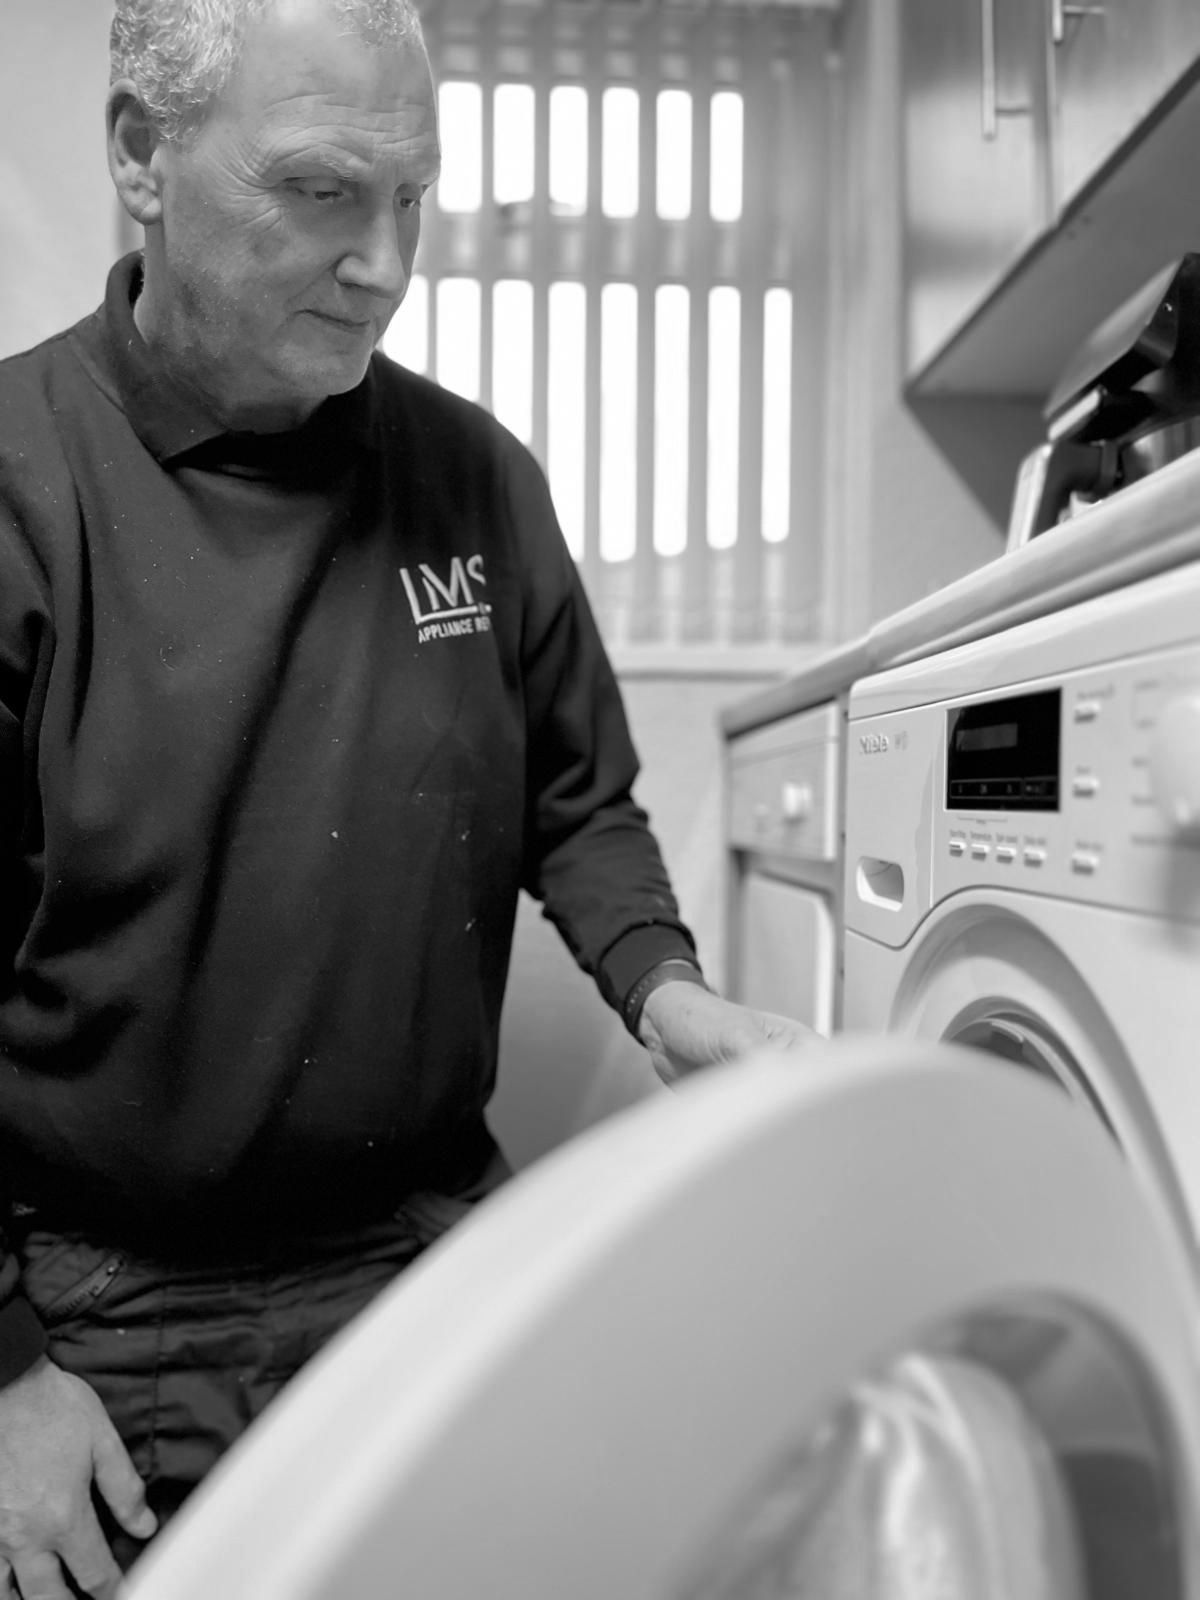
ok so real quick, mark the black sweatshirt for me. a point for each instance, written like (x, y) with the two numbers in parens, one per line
(285, 723)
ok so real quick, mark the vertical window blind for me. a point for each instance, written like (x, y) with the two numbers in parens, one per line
(624, 260)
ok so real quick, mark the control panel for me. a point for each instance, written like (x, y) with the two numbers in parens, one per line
(1087, 787)
(1059, 757)
(782, 787)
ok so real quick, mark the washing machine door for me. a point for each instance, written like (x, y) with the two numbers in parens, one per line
(881, 1320)
(1085, 998)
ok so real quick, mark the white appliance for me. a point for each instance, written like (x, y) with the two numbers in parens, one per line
(784, 758)
(1022, 865)
(884, 1322)
(784, 834)
(785, 762)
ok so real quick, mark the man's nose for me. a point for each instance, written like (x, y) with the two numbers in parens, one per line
(380, 256)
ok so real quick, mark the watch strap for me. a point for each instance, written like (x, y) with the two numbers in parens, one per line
(676, 969)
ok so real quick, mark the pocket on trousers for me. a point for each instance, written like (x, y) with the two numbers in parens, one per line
(431, 1215)
(63, 1278)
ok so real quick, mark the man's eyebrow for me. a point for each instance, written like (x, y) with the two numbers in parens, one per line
(318, 158)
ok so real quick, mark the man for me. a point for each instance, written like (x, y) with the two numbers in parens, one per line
(262, 824)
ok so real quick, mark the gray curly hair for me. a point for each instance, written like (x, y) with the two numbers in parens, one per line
(181, 53)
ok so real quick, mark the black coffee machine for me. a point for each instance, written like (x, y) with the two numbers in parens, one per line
(1127, 404)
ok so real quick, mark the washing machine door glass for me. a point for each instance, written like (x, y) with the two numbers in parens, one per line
(1025, 1042)
(1012, 1454)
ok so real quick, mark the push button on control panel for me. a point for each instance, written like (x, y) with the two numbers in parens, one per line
(1005, 853)
(1085, 784)
(979, 850)
(1033, 855)
(1084, 862)
(1086, 710)
(958, 847)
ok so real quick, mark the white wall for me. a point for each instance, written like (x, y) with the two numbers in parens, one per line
(566, 1060)
(58, 212)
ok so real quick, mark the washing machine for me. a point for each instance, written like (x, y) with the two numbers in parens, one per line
(785, 762)
(882, 1320)
(1023, 863)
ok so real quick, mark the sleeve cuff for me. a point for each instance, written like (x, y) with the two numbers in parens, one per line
(634, 953)
(22, 1338)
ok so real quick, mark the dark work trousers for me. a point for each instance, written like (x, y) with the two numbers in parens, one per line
(184, 1358)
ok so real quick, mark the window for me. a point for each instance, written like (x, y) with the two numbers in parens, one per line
(460, 122)
(512, 356)
(619, 153)
(614, 263)
(567, 385)
(674, 137)
(458, 321)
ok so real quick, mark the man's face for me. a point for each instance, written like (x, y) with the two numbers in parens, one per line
(290, 220)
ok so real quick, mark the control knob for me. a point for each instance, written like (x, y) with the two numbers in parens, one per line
(796, 802)
(1175, 763)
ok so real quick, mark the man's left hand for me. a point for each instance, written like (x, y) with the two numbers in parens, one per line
(685, 1027)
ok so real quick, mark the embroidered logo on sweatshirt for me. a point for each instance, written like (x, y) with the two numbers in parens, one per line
(446, 608)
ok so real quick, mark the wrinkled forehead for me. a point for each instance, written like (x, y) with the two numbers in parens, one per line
(299, 59)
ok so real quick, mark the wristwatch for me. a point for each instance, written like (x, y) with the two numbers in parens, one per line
(675, 969)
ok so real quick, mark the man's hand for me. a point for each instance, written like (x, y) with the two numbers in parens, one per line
(55, 1441)
(685, 1027)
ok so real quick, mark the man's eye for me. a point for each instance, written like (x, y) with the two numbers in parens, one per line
(408, 202)
(322, 193)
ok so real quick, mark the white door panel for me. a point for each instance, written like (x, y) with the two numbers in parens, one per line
(638, 1369)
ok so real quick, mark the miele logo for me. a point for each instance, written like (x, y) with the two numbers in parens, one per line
(873, 744)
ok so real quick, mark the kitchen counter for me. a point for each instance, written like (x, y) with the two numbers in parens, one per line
(822, 678)
(1141, 530)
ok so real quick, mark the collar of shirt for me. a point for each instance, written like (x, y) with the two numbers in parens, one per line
(174, 426)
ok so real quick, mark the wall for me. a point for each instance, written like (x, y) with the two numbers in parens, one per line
(915, 500)
(58, 212)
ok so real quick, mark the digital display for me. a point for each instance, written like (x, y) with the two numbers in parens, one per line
(1003, 755)
(1002, 737)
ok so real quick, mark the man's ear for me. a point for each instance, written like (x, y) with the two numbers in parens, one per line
(132, 142)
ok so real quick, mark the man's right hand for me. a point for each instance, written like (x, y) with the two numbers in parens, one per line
(56, 1441)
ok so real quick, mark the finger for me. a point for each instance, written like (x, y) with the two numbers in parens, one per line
(88, 1559)
(40, 1577)
(8, 1584)
(774, 1022)
(118, 1481)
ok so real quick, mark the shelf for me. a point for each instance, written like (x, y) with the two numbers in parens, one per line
(1140, 211)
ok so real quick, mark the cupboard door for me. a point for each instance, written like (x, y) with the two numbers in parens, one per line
(976, 163)
(784, 951)
(1111, 63)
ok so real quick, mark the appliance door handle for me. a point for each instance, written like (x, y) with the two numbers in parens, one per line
(989, 124)
(1060, 10)
(990, 109)
(879, 883)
